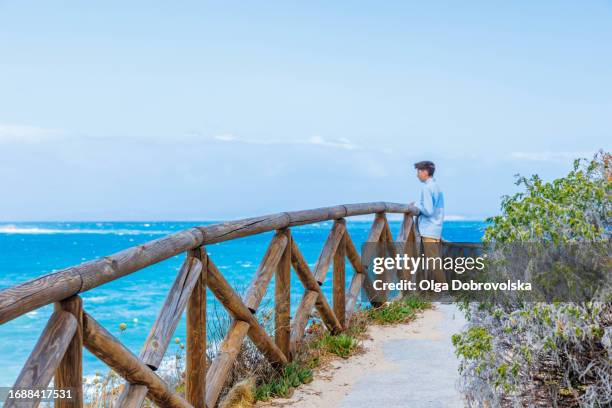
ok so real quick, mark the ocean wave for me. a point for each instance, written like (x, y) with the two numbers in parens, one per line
(13, 229)
(95, 299)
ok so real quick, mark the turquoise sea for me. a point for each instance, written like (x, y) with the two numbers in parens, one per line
(28, 250)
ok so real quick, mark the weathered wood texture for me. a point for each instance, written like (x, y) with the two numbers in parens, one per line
(157, 342)
(59, 349)
(244, 321)
(383, 295)
(69, 373)
(282, 298)
(375, 235)
(353, 255)
(195, 366)
(329, 249)
(378, 226)
(107, 348)
(70, 328)
(132, 396)
(46, 356)
(357, 279)
(353, 295)
(339, 282)
(407, 244)
(307, 278)
(220, 366)
(393, 274)
(309, 299)
(20, 299)
(159, 337)
(407, 229)
(263, 275)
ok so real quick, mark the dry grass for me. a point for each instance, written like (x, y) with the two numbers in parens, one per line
(240, 395)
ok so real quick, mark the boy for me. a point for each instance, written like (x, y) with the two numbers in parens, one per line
(431, 215)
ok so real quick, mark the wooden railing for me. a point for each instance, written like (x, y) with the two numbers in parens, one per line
(58, 352)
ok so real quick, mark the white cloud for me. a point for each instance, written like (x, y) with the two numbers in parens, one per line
(228, 137)
(549, 156)
(340, 143)
(27, 134)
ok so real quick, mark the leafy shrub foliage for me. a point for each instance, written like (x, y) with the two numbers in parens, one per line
(545, 354)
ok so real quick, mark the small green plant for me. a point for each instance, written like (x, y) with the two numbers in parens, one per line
(293, 375)
(341, 345)
(398, 312)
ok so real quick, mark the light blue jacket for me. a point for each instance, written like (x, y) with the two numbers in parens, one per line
(431, 207)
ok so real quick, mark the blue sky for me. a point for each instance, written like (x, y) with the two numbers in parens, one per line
(144, 110)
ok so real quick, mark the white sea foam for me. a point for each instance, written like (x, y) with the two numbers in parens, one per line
(95, 299)
(14, 229)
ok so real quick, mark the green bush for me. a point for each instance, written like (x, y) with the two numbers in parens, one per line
(545, 354)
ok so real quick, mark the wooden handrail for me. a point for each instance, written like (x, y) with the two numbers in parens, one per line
(70, 328)
(31, 295)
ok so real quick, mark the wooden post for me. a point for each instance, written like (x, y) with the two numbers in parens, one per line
(282, 299)
(195, 370)
(69, 373)
(339, 282)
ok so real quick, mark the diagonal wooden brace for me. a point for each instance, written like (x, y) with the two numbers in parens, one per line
(244, 323)
(46, 356)
(107, 348)
(234, 305)
(157, 342)
(358, 276)
(303, 272)
(264, 272)
(310, 297)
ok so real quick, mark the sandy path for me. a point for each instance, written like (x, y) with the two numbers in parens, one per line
(409, 365)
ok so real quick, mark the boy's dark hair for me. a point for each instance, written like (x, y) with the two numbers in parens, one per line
(426, 165)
